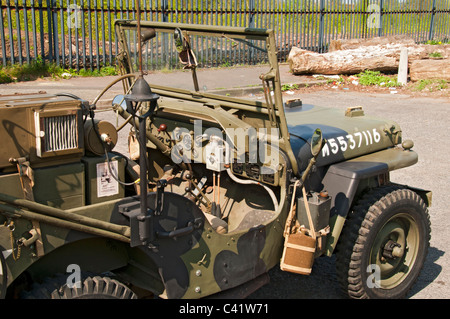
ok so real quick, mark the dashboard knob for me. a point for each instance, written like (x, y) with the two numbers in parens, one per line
(162, 127)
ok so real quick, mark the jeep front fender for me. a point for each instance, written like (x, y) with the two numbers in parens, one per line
(345, 180)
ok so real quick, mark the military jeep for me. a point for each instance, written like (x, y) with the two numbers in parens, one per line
(211, 190)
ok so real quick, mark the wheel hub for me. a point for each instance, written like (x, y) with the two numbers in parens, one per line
(395, 249)
(392, 250)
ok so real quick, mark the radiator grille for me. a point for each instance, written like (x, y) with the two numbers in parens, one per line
(60, 133)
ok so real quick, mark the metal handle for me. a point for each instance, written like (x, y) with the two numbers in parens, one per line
(197, 223)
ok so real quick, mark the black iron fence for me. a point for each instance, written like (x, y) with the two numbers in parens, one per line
(79, 33)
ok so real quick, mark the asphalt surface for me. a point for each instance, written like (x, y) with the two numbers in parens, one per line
(423, 120)
(238, 80)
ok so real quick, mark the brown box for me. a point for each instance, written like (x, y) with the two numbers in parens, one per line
(42, 128)
(298, 254)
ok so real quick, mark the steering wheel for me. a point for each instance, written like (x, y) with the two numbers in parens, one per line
(121, 78)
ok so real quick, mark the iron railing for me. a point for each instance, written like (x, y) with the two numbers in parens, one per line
(79, 33)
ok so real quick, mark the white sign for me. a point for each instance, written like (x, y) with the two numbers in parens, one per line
(107, 185)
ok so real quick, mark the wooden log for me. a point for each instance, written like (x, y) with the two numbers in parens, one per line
(383, 58)
(430, 69)
(341, 62)
(349, 44)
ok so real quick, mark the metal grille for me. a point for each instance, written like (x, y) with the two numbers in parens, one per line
(60, 133)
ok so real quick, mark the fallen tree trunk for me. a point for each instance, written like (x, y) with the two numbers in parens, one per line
(350, 44)
(383, 58)
(430, 69)
(343, 61)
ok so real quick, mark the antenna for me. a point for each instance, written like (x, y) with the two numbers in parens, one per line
(139, 36)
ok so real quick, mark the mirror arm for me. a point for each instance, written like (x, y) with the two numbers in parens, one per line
(194, 79)
(311, 163)
(317, 142)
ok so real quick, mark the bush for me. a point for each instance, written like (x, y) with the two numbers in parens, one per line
(39, 69)
(376, 78)
(5, 77)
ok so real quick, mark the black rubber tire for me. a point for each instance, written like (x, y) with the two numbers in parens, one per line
(95, 287)
(366, 224)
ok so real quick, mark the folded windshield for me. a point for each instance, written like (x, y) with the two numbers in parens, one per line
(210, 48)
(167, 46)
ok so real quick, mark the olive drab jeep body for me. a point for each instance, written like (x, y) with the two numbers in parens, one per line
(215, 191)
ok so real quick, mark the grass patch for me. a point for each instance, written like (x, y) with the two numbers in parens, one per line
(376, 78)
(435, 55)
(38, 69)
(431, 85)
(104, 71)
(5, 77)
(437, 42)
(287, 87)
(28, 72)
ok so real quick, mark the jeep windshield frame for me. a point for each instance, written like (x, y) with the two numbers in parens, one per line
(273, 106)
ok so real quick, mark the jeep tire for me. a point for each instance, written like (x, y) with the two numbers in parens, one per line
(384, 244)
(92, 287)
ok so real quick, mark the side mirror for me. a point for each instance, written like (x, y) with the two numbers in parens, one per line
(147, 34)
(316, 142)
(185, 54)
(120, 100)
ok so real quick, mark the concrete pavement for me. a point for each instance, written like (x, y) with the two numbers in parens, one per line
(233, 81)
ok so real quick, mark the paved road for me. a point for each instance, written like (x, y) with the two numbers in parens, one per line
(424, 120)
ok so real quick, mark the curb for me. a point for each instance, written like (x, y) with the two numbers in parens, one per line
(241, 91)
(234, 92)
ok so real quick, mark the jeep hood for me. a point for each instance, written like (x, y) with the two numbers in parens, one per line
(348, 134)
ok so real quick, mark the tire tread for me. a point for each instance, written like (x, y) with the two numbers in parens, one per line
(356, 230)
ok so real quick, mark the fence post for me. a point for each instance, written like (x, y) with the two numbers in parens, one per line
(164, 8)
(2, 36)
(380, 29)
(433, 12)
(251, 14)
(321, 26)
(10, 29)
(33, 23)
(25, 23)
(19, 31)
(251, 24)
(63, 40)
(165, 36)
(55, 31)
(50, 31)
(41, 29)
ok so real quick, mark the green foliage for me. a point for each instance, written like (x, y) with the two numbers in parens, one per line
(376, 78)
(431, 85)
(435, 55)
(287, 87)
(29, 72)
(104, 71)
(39, 69)
(5, 77)
(437, 42)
